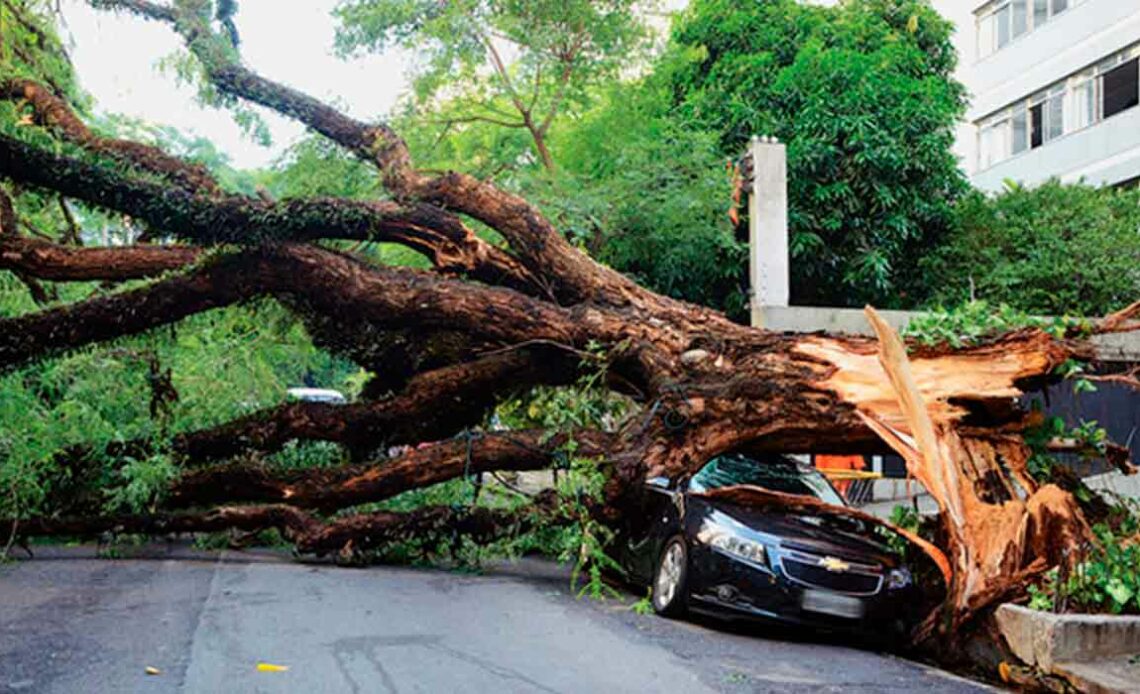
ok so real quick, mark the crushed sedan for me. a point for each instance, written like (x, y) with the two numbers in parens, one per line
(704, 554)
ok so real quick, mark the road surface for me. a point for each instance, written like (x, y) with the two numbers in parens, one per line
(71, 622)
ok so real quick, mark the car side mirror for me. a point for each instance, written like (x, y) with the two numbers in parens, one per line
(659, 482)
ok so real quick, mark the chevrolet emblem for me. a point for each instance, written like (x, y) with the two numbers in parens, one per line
(834, 565)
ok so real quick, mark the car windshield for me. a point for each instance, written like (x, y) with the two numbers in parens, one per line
(776, 473)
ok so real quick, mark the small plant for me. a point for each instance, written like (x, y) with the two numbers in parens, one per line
(587, 539)
(144, 481)
(644, 606)
(1107, 580)
(907, 518)
(975, 321)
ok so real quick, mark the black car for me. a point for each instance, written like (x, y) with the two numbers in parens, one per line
(710, 556)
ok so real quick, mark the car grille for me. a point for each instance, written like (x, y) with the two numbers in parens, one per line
(806, 569)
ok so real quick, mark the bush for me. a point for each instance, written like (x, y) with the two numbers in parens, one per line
(1107, 581)
(1051, 250)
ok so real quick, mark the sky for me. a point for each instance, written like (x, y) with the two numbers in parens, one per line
(117, 55)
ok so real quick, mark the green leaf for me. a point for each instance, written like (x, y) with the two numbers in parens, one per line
(1119, 592)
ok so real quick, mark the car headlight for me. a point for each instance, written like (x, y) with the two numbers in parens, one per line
(747, 550)
(898, 578)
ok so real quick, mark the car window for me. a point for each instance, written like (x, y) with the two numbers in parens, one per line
(776, 473)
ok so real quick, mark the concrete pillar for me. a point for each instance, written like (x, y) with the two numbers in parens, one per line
(768, 222)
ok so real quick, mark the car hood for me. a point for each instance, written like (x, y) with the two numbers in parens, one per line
(847, 538)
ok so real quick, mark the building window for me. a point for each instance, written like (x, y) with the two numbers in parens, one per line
(1121, 88)
(1054, 108)
(1002, 21)
(1020, 123)
(1073, 104)
(1037, 133)
(995, 141)
(1083, 100)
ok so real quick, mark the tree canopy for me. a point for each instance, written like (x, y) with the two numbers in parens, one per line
(516, 64)
(864, 96)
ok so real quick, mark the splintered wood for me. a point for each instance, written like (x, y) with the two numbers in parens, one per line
(996, 537)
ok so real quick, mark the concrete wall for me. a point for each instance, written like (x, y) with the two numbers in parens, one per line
(1121, 347)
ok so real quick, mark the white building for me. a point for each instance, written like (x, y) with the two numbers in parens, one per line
(1054, 88)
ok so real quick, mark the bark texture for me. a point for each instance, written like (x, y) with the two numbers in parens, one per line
(484, 322)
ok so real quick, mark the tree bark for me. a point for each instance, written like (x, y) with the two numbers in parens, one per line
(486, 322)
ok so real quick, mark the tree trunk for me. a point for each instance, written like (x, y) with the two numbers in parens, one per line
(484, 323)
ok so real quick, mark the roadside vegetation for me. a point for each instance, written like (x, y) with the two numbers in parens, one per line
(627, 141)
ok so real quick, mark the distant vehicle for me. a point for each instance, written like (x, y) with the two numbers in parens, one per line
(716, 557)
(332, 397)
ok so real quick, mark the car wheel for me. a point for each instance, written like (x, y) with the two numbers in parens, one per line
(670, 589)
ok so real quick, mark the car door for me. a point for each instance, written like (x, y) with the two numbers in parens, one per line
(656, 519)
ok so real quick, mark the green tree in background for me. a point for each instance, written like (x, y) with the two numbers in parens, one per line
(1056, 249)
(514, 64)
(650, 196)
(863, 95)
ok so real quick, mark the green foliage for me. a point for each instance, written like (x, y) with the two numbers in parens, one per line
(1107, 580)
(513, 64)
(587, 404)
(224, 364)
(648, 195)
(905, 517)
(142, 483)
(30, 47)
(299, 455)
(863, 95)
(316, 167)
(974, 322)
(644, 606)
(1053, 249)
(583, 541)
(1090, 438)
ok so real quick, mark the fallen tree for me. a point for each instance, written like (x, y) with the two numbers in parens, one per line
(485, 321)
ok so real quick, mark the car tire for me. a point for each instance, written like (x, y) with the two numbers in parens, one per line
(670, 580)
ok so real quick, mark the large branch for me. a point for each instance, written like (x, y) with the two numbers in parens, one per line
(58, 263)
(58, 330)
(413, 415)
(339, 488)
(569, 274)
(53, 112)
(321, 286)
(221, 218)
(344, 536)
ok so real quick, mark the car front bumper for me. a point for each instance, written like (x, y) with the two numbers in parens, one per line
(731, 588)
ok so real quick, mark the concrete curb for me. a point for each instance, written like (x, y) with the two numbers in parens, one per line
(1094, 652)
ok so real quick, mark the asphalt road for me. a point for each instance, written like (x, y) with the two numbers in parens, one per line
(70, 622)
